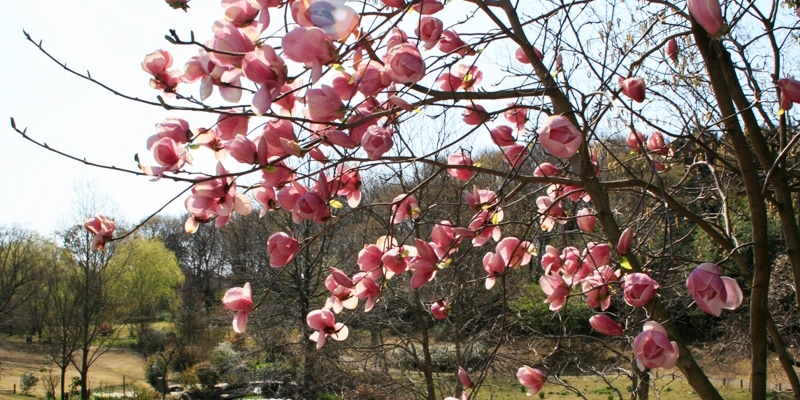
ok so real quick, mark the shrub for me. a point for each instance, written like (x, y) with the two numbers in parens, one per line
(533, 314)
(229, 364)
(443, 356)
(154, 372)
(207, 375)
(28, 381)
(144, 392)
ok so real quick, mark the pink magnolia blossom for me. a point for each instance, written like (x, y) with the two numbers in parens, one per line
(243, 150)
(227, 79)
(396, 37)
(653, 349)
(282, 249)
(394, 3)
(232, 45)
(324, 104)
(231, 125)
(344, 84)
(556, 290)
(707, 13)
(635, 140)
(672, 50)
(502, 135)
(551, 260)
(348, 185)
(785, 103)
(515, 154)
(571, 260)
(560, 137)
(460, 158)
(445, 239)
(470, 76)
(713, 292)
(404, 206)
(311, 206)
(495, 266)
(604, 324)
(424, 265)
(790, 91)
(625, 241)
(310, 46)
(366, 288)
(483, 227)
(371, 78)
(175, 128)
(369, 258)
(586, 220)
(241, 13)
(377, 140)
(634, 88)
(276, 174)
(655, 143)
(520, 55)
(395, 260)
(323, 322)
(463, 376)
(596, 291)
(450, 42)
(517, 115)
(638, 289)
(239, 299)
(551, 212)
(465, 77)
(480, 199)
(428, 7)
(448, 82)
(286, 99)
(287, 196)
(440, 309)
(275, 133)
(102, 228)
(475, 114)
(532, 378)
(342, 291)
(216, 198)
(546, 169)
(169, 155)
(264, 67)
(597, 255)
(266, 196)
(514, 252)
(332, 16)
(404, 64)
(429, 31)
(157, 64)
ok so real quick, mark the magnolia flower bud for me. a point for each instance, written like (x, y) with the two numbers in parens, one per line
(708, 14)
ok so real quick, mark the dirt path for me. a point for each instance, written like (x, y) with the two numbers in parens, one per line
(17, 358)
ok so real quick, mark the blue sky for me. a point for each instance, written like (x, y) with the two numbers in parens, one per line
(110, 39)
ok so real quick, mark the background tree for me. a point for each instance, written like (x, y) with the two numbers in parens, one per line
(150, 279)
(22, 258)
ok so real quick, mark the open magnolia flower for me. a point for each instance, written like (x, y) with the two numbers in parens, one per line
(239, 299)
(325, 325)
(332, 16)
(713, 292)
